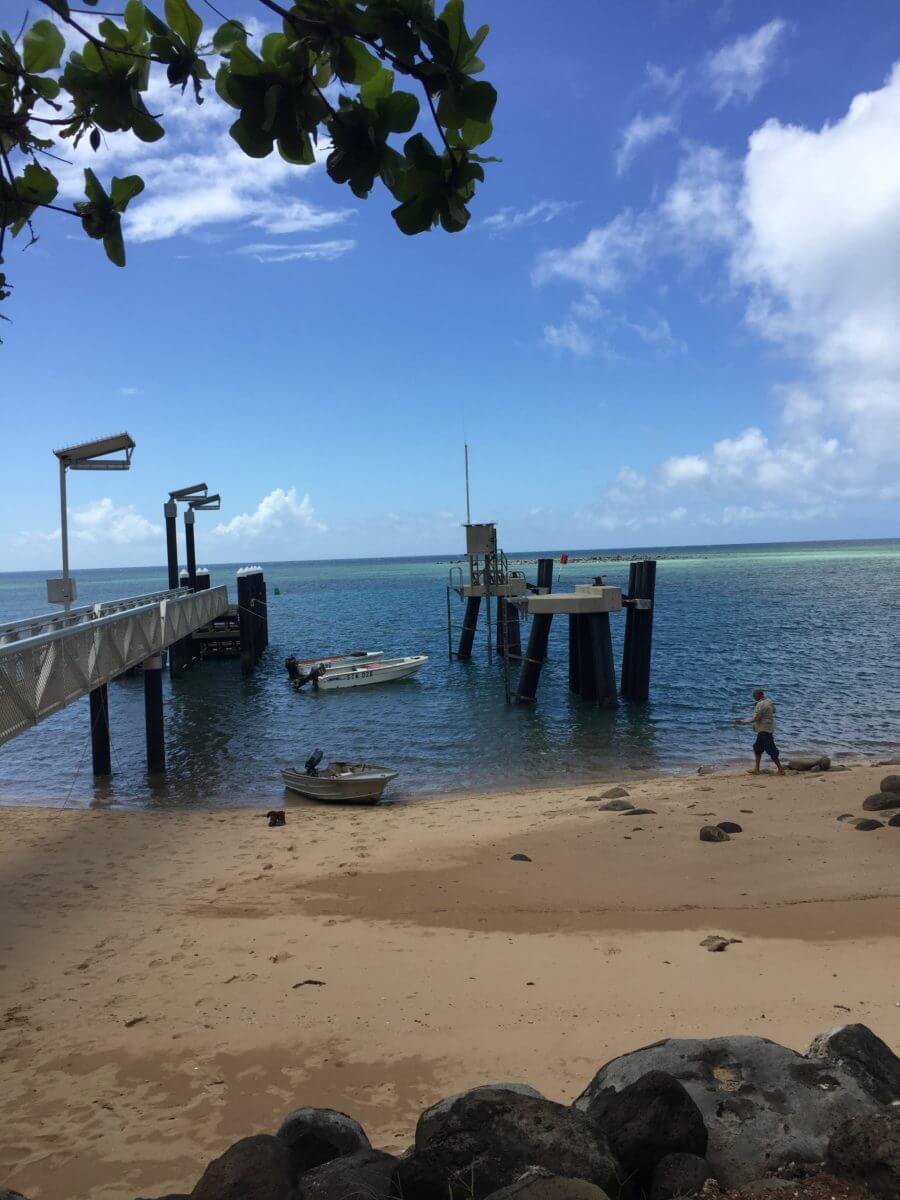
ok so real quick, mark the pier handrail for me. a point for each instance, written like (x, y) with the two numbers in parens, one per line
(78, 616)
(43, 673)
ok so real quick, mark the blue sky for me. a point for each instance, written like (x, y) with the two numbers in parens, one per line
(672, 319)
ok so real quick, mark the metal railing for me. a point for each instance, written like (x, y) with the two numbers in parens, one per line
(74, 653)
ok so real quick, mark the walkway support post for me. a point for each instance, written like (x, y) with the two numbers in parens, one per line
(545, 574)
(605, 691)
(190, 549)
(535, 655)
(470, 624)
(100, 755)
(638, 631)
(153, 713)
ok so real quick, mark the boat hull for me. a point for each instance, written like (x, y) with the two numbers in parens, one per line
(352, 787)
(385, 671)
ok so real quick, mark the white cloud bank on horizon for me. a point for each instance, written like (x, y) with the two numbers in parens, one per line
(807, 225)
(98, 523)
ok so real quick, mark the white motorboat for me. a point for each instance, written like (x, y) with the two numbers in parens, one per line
(357, 675)
(300, 670)
(339, 782)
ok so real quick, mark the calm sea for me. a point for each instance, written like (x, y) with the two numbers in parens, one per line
(815, 624)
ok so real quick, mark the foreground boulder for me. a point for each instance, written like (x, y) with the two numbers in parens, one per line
(317, 1135)
(647, 1120)
(537, 1184)
(435, 1119)
(763, 1104)
(807, 762)
(484, 1140)
(365, 1173)
(863, 1054)
(255, 1168)
(879, 801)
(891, 783)
(679, 1175)
(9, 1194)
(866, 1150)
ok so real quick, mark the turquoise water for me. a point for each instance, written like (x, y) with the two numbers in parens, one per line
(816, 625)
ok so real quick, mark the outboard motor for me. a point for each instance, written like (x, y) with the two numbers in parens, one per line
(313, 761)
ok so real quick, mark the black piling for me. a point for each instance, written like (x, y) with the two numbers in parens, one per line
(587, 683)
(530, 675)
(545, 574)
(253, 624)
(470, 624)
(153, 713)
(604, 670)
(202, 580)
(638, 631)
(573, 653)
(100, 731)
(190, 548)
(170, 511)
(509, 634)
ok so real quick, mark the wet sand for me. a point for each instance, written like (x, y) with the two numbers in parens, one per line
(171, 981)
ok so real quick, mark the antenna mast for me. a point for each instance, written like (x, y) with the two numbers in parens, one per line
(468, 510)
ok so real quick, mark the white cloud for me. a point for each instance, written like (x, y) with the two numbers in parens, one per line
(605, 257)
(275, 252)
(99, 523)
(690, 468)
(569, 335)
(701, 206)
(279, 512)
(738, 69)
(668, 82)
(507, 220)
(639, 133)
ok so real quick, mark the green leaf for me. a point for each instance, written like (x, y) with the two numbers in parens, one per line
(379, 86)
(477, 101)
(113, 244)
(399, 111)
(415, 215)
(43, 46)
(125, 189)
(41, 185)
(47, 89)
(134, 18)
(474, 133)
(227, 36)
(363, 65)
(93, 189)
(252, 140)
(184, 21)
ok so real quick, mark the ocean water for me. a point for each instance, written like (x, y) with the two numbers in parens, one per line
(816, 624)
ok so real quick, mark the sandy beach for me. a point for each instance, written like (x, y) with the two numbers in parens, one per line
(173, 980)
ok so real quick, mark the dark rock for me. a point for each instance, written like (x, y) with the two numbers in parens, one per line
(485, 1139)
(807, 762)
(895, 820)
(888, 762)
(891, 783)
(169, 1196)
(715, 943)
(9, 1194)
(865, 1056)
(615, 806)
(519, 858)
(537, 1184)
(763, 1104)
(866, 825)
(712, 833)
(255, 1168)
(364, 1173)
(614, 793)
(679, 1175)
(434, 1119)
(706, 770)
(866, 1150)
(648, 1119)
(642, 812)
(847, 817)
(839, 767)
(730, 826)
(879, 800)
(317, 1135)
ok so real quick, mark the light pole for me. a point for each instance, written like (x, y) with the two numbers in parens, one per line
(196, 491)
(204, 504)
(89, 456)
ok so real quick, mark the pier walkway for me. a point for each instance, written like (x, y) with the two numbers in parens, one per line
(49, 661)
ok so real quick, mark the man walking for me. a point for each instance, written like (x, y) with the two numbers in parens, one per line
(763, 722)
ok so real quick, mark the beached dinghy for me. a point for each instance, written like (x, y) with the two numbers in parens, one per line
(339, 782)
(384, 671)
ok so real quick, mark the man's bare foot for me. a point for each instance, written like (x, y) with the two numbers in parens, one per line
(756, 772)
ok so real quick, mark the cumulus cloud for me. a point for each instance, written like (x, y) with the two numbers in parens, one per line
(506, 220)
(279, 512)
(668, 82)
(638, 134)
(99, 523)
(805, 229)
(737, 70)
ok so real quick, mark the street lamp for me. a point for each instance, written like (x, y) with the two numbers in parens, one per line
(201, 504)
(89, 456)
(196, 491)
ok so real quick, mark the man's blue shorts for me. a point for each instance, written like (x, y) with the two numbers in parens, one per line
(765, 744)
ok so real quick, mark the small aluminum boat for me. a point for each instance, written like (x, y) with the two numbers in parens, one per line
(384, 671)
(339, 783)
